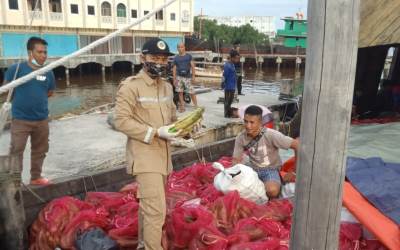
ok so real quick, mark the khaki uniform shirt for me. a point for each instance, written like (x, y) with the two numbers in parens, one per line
(142, 106)
(265, 153)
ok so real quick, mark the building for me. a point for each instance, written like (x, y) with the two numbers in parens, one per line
(263, 24)
(294, 33)
(72, 24)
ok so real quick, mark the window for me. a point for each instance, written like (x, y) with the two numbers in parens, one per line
(55, 6)
(106, 9)
(90, 10)
(121, 10)
(34, 5)
(146, 12)
(74, 9)
(160, 15)
(173, 16)
(134, 13)
(13, 4)
(291, 25)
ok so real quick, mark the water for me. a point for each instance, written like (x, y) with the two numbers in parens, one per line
(91, 90)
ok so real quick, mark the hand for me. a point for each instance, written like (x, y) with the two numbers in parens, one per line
(289, 177)
(164, 133)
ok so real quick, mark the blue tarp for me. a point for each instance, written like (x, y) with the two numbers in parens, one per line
(378, 182)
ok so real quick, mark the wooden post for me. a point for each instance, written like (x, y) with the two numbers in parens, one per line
(12, 215)
(328, 90)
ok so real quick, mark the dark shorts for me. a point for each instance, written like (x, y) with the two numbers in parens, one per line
(268, 174)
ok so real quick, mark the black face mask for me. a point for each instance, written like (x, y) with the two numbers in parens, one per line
(155, 69)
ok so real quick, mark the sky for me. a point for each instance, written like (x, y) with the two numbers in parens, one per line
(277, 8)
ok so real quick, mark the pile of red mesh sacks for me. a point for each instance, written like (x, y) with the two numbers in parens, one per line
(198, 217)
(61, 220)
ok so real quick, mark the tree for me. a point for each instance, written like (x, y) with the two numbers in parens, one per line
(244, 34)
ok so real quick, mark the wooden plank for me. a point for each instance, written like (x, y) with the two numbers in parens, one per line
(380, 23)
(330, 71)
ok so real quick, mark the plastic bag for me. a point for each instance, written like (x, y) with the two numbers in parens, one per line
(95, 239)
(242, 179)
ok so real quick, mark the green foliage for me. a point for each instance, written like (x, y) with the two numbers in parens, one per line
(244, 34)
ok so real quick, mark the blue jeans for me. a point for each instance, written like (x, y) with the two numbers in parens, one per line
(268, 174)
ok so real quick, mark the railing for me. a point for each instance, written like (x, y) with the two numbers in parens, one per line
(106, 19)
(56, 16)
(121, 20)
(35, 15)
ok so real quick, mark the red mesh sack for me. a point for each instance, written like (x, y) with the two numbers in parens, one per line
(188, 184)
(204, 172)
(270, 244)
(130, 189)
(46, 231)
(252, 228)
(229, 209)
(111, 201)
(184, 222)
(349, 236)
(127, 235)
(81, 222)
(209, 238)
(176, 199)
(274, 229)
(226, 161)
(179, 175)
(279, 210)
(208, 194)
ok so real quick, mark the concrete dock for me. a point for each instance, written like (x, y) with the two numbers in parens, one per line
(83, 144)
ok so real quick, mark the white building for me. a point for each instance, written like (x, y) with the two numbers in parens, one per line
(263, 24)
(72, 24)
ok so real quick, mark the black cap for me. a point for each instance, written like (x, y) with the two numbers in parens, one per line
(156, 46)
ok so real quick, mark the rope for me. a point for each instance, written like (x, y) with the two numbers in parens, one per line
(81, 51)
(33, 193)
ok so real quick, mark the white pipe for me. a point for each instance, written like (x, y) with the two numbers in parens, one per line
(83, 50)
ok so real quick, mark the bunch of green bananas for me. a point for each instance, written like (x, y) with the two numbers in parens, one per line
(187, 123)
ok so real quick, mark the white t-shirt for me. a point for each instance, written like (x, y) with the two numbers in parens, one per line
(266, 113)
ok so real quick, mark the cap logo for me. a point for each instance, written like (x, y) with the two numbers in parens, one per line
(161, 45)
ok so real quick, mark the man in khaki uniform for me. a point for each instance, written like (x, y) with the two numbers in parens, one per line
(144, 111)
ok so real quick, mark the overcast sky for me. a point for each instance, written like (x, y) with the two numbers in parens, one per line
(277, 8)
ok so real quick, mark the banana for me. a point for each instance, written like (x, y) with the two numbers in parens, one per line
(186, 123)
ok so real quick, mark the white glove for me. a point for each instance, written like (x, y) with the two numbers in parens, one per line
(163, 133)
(197, 127)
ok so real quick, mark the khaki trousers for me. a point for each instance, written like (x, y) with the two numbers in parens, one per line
(39, 133)
(152, 209)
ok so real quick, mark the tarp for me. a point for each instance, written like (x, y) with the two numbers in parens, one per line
(378, 182)
(377, 140)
